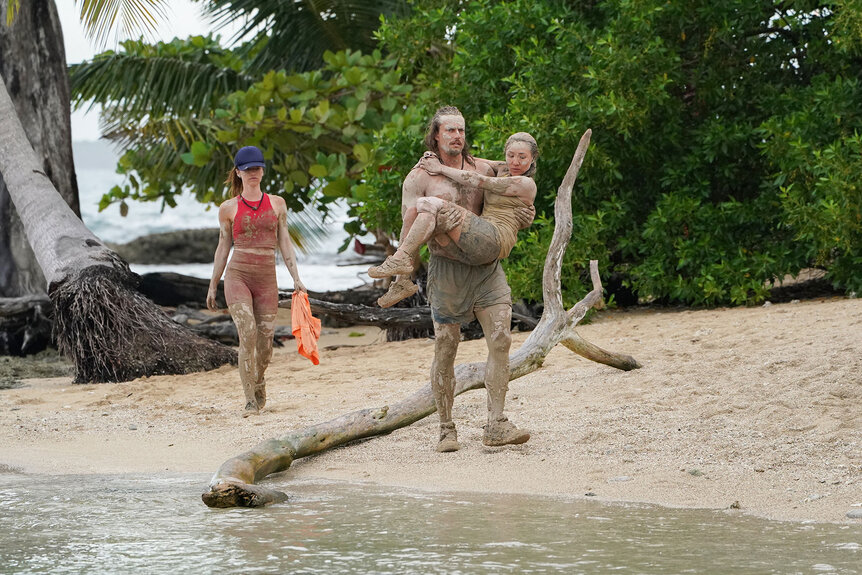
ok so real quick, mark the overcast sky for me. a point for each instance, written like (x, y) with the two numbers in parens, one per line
(183, 20)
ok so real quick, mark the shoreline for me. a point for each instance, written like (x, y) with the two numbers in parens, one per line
(755, 407)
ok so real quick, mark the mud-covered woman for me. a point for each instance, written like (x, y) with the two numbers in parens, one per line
(255, 224)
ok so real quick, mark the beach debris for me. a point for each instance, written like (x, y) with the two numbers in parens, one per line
(854, 514)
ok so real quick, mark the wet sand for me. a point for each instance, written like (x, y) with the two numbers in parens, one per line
(756, 408)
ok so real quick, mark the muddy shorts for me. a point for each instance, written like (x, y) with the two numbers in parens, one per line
(456, 289)
(250, 279)
(478, 244)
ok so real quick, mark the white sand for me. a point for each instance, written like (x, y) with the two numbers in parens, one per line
(756, 406)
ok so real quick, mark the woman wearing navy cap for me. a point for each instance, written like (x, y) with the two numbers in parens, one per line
(256, 224)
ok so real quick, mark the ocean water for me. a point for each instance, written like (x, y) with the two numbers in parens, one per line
(158, 524)
(324, 269)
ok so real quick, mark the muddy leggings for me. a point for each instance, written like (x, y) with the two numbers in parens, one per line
(251, 292)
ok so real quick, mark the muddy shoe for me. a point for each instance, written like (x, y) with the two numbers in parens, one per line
(397, 264)
(250, 409)
(398, 290)
(260, 394)
(503, 432)
(448, 438)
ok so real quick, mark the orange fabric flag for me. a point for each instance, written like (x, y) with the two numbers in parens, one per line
(305, 327)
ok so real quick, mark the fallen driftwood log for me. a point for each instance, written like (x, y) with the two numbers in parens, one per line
(219, 327)
(25, 324)
(234, 483)
(384, 318)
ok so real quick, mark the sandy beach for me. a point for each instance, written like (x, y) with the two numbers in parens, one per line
(758, 409)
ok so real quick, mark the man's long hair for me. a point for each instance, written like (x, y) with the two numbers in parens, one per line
(434, 129)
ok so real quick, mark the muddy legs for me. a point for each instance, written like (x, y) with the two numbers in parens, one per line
(496, 324)
(255, 350)
(443, 382)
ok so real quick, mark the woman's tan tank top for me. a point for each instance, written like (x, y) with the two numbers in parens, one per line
(500, 211)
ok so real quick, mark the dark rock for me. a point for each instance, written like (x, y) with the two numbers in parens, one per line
(179, 247)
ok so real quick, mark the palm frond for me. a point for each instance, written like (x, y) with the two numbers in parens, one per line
(182, 77)
(299, 32)
(104, 18)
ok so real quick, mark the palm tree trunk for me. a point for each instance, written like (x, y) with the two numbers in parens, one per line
(109, 330)
(33, 64)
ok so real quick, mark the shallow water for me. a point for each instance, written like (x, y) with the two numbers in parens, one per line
(126, 524)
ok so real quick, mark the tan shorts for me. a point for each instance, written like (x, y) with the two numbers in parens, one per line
(456, 290)
(479, 243)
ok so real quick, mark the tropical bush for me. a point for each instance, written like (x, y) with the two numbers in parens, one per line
(725, 151)
(725, 135)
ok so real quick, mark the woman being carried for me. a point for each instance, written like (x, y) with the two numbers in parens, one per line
(474, 240)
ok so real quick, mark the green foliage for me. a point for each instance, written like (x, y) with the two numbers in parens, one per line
(142, 79)
(102, 17)
(180, 109)
(296, 34)
(376, 201)
(815, 152)
(724, 152)
(316, 130)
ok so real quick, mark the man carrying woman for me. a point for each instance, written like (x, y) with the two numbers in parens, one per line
(465, 279)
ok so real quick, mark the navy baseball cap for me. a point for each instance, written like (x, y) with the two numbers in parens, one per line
(248, 157)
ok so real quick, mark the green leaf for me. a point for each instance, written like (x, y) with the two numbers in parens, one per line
(318, 171)
(338, 188)
(362, 153)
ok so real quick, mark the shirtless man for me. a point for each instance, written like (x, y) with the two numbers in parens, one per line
(459, 291)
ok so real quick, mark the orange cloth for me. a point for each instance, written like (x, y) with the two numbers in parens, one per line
(305, 327)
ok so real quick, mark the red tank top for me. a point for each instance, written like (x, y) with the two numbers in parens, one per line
(255, 228)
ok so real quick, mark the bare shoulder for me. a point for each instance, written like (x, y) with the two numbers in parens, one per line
(279, 206)
(415, 181)
(415, 175)
(277, 202)
(227, 209)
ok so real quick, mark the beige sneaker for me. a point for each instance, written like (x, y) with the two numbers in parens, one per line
(398, 290)
(448, 438)
(503, 432)
(397, 264)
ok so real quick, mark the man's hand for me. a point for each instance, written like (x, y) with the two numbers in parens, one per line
(430, 163)
(449, 217)
(525, 216)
